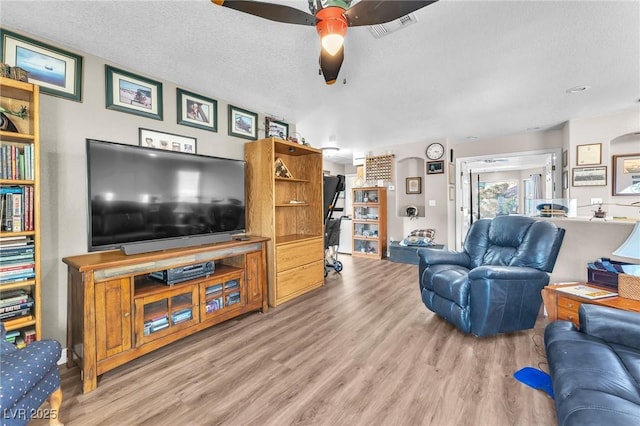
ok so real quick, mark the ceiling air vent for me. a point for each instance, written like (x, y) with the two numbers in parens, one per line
(382, 30)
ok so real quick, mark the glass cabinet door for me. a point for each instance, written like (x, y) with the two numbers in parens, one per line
(365, 230)
(366, 196)
(223, 294)
(160, 314)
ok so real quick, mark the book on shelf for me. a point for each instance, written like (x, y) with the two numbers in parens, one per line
(21, 321)
(14, 314)
(16, 250)
(29, 336)
(18, 258)
(587, 292)
(17, 306)
(13, 296)
(10, 336)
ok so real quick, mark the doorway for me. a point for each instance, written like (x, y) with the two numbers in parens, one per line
(509, 184)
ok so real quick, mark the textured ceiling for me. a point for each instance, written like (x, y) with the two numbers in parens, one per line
(467, 68)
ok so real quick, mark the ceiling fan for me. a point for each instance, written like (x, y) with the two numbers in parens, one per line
(331, 19)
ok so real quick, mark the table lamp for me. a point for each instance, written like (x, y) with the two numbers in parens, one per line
(631, 249)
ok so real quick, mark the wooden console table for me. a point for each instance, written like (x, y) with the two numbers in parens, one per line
(117, 312)
(565, 306)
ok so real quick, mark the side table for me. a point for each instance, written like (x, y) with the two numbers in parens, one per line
(565, 306)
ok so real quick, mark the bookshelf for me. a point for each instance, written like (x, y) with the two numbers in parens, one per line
(20, 209)
(287, 209)
(369, 222)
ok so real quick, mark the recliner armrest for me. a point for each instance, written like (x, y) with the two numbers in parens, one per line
(433, 256)
(610, 324)
(515, 273)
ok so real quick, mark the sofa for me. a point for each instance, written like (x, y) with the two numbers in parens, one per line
(595, 370)
(493, 285)
(28, 377)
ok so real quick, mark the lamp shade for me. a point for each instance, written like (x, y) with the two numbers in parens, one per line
(631, 247)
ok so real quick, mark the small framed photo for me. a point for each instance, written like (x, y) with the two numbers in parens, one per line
(57, 72)
(197, 111)
(565, 179)
(414, 185)
(565, 160)
(587, 155)
(590, 176)
(243, 123)
(452, 193)
(276, 129)
(133, 94)
(435, 167)
(167, 141)
(626, 174)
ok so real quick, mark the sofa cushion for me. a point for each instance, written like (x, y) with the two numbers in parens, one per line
(594, 382)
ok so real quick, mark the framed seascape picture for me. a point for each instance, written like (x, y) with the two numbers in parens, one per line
(56, 71)
(243, 123)
(133, 94)
(197, 111)
(626, 174)
(414, 185)
(167, 141)
(590, 176)
(275, 128)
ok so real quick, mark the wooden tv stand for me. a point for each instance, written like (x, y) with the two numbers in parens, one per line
(117, 313)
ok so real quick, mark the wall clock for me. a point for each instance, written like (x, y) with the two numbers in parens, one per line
(435, 151)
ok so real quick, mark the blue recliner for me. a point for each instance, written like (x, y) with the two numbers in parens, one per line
(28, 377)
(494, 285)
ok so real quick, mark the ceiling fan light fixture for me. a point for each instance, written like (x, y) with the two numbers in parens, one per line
(332, 43)
(332, 27)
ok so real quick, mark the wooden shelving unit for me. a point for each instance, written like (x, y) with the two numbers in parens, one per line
(117, 312)
(295, 252)
(369, 222)
(13, 96)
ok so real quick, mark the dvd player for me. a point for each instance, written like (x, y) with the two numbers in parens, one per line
(184, 273)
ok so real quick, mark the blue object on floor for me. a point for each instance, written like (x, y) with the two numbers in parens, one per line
(535, 378)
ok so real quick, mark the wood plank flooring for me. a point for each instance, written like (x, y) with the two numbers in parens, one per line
(362, 350)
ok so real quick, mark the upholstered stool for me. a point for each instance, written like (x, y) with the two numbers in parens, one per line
(28, 377)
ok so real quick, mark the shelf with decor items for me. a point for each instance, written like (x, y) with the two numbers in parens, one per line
(369, 222)
(284, 204)
(20, 274)
(117, 312)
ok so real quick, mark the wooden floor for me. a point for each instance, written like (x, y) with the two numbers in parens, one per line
(362, 350)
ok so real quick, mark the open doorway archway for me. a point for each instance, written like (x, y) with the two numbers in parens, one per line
(508, 184)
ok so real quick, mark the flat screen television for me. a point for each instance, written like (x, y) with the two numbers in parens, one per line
(144, 199)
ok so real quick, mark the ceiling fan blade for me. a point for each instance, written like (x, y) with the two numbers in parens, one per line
(274, 12)
(330, 65)
(373, 12)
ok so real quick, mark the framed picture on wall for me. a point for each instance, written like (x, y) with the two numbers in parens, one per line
(276, 129)
(133, 94)
(243, 123)
(57, 72)
(435, 167)
(587, 155)
(197, 111)
(626, 174)
(167, 141)
(414, 185)
(590, 176)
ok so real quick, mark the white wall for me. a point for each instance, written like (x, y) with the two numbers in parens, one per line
(607, 131)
